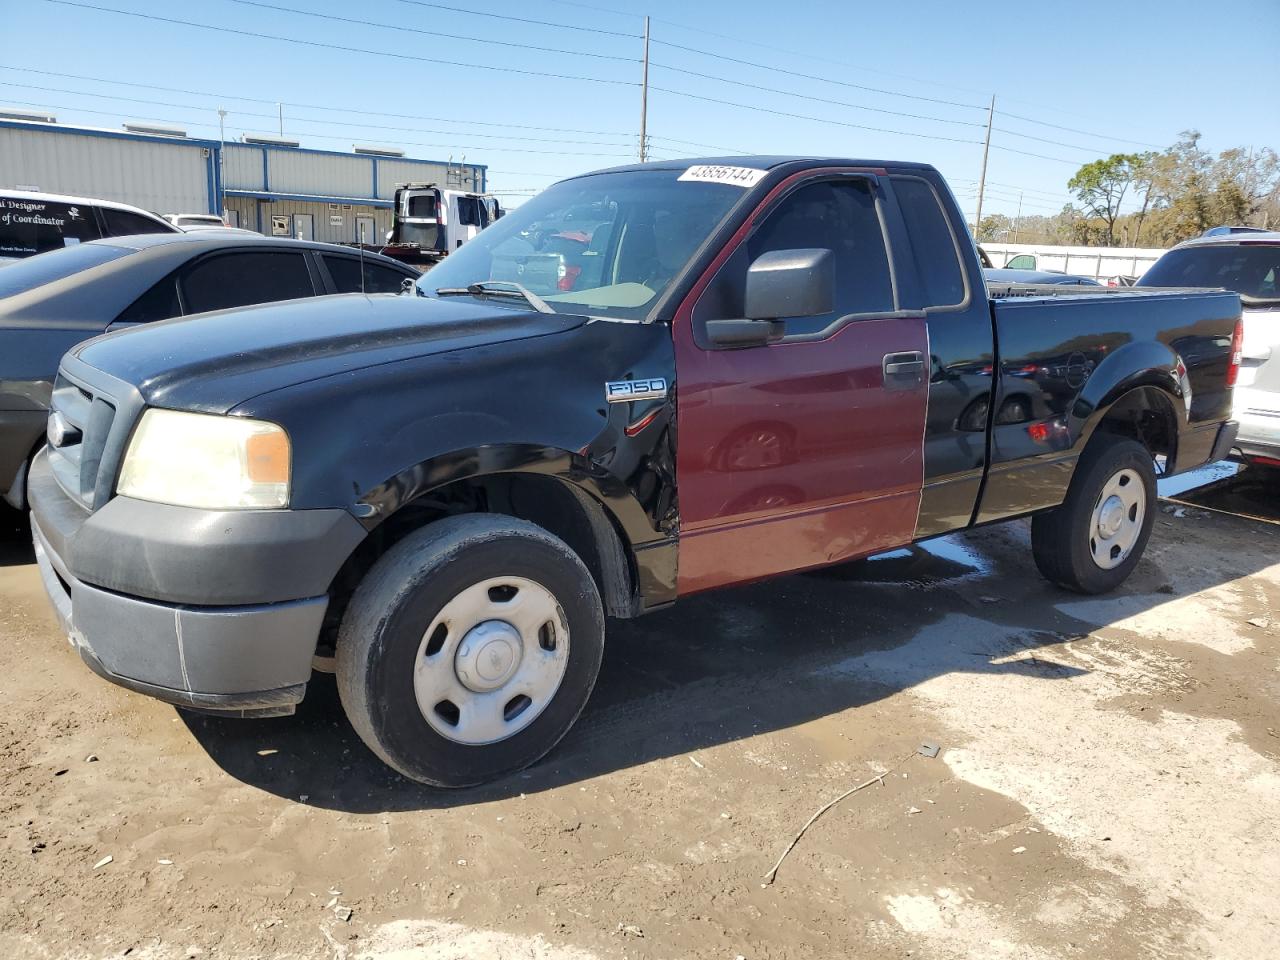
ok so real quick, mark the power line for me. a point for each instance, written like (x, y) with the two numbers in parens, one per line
(1038, 156)
(402, 28)
(694, 143)
(1045, 123)
(809, 55)
(295, 119)
(337, 46)
(320, 136)
(314, 106)
(806, 96)
(800, 116)
(1056, 143)
(501, 16)
(810, 76)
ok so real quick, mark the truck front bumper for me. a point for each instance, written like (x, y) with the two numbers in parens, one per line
(203, 646)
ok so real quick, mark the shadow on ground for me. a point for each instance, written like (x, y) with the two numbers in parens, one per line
(729, 665)
(717, 669)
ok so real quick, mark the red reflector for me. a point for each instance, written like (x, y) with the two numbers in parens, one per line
(1237, 353)
(1265, 461)
(1039, 432)
(632, 429)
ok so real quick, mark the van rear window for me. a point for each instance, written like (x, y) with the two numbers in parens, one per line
(29, 227)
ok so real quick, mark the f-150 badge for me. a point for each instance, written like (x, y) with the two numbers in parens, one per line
(624, 391)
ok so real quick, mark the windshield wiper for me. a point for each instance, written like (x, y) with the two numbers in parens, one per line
(497, 288)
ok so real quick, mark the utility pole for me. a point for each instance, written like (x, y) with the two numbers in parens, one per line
(222, 155)
(1017, 218)
(644, 96)
(280, 108)
(982, 180)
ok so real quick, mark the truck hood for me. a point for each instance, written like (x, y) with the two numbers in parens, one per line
(213, 361)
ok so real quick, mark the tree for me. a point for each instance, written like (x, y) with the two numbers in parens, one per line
(994, 227)
(1101, 187)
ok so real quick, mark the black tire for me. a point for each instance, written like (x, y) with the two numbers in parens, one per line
(383, 629)
(1060, 538)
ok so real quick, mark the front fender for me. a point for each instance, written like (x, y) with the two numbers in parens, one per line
(471, 463)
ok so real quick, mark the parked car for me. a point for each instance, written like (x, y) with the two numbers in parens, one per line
(1248, 262)
(195, 220)
(50, 303)
(1038, 276)
(32, 223)
(448, 493)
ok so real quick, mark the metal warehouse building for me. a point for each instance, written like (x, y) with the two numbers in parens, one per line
(272, 186)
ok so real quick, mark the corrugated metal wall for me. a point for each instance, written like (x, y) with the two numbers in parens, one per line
(242, 167)
(323, 229)
(394, 172)
(291, 171)
(161, 176)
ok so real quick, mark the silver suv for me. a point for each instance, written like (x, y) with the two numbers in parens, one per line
(1249, 264)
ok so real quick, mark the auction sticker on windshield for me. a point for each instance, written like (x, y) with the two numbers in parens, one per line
(711, 173)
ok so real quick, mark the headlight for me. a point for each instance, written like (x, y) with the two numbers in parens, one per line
(197, 460)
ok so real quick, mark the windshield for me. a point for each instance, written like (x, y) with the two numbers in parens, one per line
(604, 245)
(1250, 269)
(54, 265)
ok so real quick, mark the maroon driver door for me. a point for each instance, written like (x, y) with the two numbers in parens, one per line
(807, 451)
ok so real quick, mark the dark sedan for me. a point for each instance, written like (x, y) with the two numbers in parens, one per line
(51, 302)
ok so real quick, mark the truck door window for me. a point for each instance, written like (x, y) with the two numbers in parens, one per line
(840, 216)
(469, 211)
(933, 244)
(240, 279)
(1023, 261)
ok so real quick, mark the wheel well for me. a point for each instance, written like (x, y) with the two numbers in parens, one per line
(556, 506)
(1145, 414)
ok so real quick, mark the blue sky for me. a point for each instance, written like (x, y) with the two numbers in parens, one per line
(875, 81)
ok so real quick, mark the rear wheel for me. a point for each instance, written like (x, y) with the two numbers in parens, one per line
(1092, 542)
(469, 649)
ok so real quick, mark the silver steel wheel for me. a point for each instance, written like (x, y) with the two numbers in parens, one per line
(1117, 519)
(491, 660)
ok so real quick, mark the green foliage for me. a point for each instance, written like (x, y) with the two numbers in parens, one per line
(1182, 190)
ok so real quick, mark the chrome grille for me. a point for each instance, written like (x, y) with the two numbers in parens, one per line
(79, 423)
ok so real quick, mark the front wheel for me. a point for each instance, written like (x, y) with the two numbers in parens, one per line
(469, 649)
(1092, 542)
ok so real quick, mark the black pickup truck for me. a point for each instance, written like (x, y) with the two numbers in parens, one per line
(643, 383)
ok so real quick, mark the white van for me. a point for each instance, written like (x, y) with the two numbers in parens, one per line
(32, 223)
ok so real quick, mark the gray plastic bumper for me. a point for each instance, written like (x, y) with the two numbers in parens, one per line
(246, 660)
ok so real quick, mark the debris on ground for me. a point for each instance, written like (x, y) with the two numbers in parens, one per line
(628, 930)
(103, 862)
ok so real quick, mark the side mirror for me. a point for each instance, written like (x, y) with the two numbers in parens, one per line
(780, 283)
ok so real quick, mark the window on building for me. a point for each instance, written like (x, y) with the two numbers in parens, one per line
(240, 279)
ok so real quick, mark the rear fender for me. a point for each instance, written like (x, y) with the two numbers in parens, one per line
(1133, 366)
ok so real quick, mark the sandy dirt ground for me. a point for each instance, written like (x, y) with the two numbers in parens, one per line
(1108, 784)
